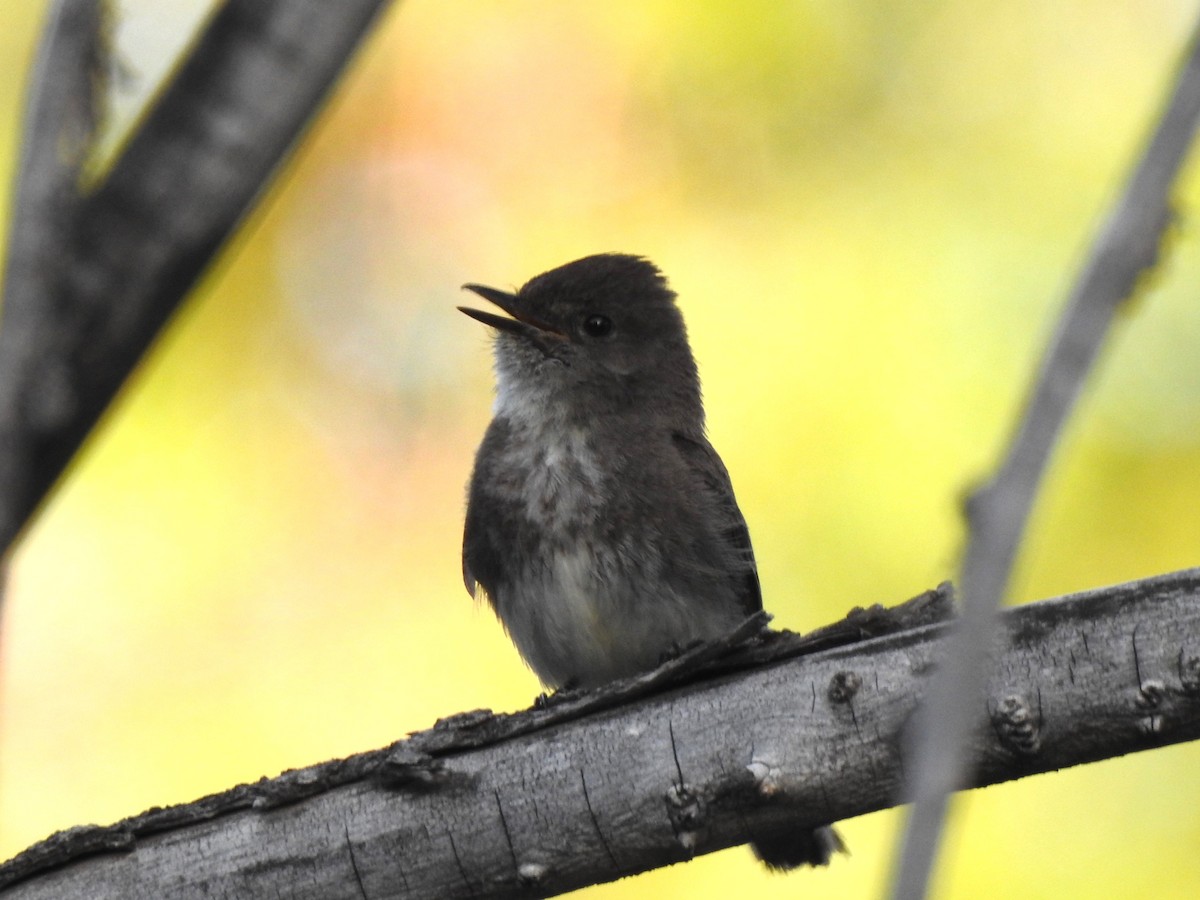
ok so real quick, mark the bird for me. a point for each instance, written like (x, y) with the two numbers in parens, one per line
(601, 525)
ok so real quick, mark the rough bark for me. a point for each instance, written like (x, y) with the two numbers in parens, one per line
(651, 772)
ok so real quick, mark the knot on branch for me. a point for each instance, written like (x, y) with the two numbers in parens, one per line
(1151, 693)
(532, 873)
(1018, 729)
(687, 813)
(767, 777)
(843, 686)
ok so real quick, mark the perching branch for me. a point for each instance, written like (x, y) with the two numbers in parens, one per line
(1127, 248)
(85, 298)
(615, 782)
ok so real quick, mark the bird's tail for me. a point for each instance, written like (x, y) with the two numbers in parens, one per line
(787, 850)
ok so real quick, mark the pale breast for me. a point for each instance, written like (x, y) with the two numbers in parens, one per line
(588, 601)
(563, 482)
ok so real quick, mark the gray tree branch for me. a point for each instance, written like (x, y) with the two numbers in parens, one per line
(61, 113)
(998, 511)
(86, 295)
(645, 774)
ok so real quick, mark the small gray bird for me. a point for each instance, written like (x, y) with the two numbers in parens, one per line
(601, 525)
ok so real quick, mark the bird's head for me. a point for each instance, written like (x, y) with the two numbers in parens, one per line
(603, 327)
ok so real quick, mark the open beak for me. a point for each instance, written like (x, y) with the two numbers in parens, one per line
(521, 323)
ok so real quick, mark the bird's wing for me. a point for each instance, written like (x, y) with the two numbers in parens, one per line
(711, 474)
(482, 558)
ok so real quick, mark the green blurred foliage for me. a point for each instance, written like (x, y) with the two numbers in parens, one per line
(872, 212)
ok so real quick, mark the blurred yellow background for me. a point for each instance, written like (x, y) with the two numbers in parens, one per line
(872, 212)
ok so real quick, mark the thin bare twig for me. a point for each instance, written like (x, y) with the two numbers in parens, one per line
(997, 512)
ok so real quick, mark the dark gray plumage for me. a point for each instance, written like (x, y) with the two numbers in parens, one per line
(601, 525)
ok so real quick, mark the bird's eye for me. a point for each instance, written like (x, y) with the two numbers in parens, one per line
(597, 326)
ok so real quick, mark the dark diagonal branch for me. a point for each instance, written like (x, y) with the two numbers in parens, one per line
(609, 783)
(84, 298)
(1127, 248)
(61, 112)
